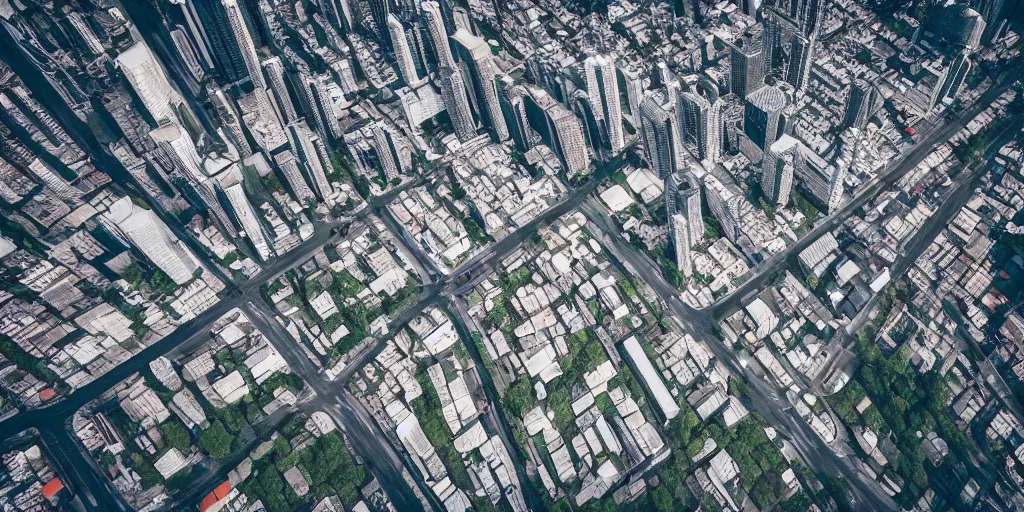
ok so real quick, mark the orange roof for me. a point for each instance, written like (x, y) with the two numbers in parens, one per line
(216, 495)
(47, 393)
(52, 487)
(207, 502)
(222, 490)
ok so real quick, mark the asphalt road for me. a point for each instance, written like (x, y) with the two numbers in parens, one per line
(896, 169)
(766, 401)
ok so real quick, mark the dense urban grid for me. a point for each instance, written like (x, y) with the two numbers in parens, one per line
(515, 255)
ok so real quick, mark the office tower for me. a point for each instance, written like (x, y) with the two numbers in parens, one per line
(453, 92)
(603, 91)
(700, 123)
(245, 42)
(952, 79)
(386, 154)
(679, 232)
(53, 181)
(991, 11)
(821, 180)
(514, 107)
(148, 80)
(688, 200)
(403, 53)
(662, 137)
(809, 17)
(275, 76)
(780, 162)
(293, 176)
(196, 31)
(635, 88)
(214, 28)
(963, 26)
(801, 56)
(726, 203)
(746, 64)
(225, 111)
(862, 102)
(320, 106)
(478, 65)
(559, 128)
(437, 33)
(230, 182)
(188, 54)
(763, 116)
(181, 151)
(313, 154)
(379, 12)
(773, 39)
(143, 229)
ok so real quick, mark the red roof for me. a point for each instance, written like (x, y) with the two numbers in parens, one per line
(215, 495)
(222, 490)
(47, 393)
(207, 502)
(911, 131)
(52, 487)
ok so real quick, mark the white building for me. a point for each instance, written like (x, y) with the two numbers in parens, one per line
(151, 236)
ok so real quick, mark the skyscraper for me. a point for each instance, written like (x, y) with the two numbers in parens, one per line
(313, 155)
(245, 43)
(726, 203)
(384, 144)
(679, 232)
(319, 105)
(862, 102)
(746, 61)
(148, 80)
(809, 16)
(437, 32)
(951, 80)
(293, 176)
(275, 75)
(780, 162)
(559, 128)
(682, 197)
(603, 91)
(143, 229)
(230, 182)
(763, 116)
(478, 65)
(662, 137)
(403, 53)
(213, 34)
(801, 55)
(700, 124)
(181, 151)
(453, 92)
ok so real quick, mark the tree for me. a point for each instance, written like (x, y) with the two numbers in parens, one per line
(519, 398)
(176, 436)
(215, 441)
(662, 499)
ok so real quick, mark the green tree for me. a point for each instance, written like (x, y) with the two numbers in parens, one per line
(215, 441)
(176, 436)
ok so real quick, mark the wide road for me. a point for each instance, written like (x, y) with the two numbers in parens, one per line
(895, 170)
(765, 401)
(949, 206)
